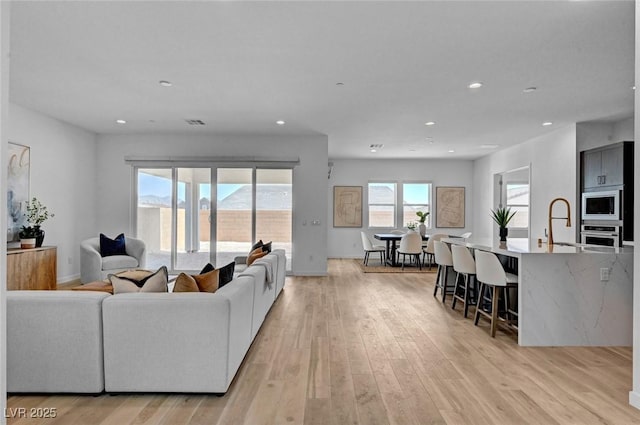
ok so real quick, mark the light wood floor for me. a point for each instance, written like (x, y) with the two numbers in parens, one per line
(354, 348)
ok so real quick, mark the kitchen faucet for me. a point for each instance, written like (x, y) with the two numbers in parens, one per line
(568, 218)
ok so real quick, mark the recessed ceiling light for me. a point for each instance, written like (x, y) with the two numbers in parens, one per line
(280, 122)
(374, 150)
(429, 123)
(451, 151)
(165, 83)
(121, 121)
(530, 89)
(633, 87)
(339, 84)
(489, 146)
(547, 123)
(475, 85)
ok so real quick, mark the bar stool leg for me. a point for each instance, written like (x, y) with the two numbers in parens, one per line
(467, 279)
(494, 311)
(456, 287)
(478, 304)
(435, 289)
(444, 283)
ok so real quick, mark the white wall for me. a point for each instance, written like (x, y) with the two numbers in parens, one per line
(309, 180)
(634, 394)
(552, 158)
(63, 177)
(346, 242)
(594, 134)
(5, 8)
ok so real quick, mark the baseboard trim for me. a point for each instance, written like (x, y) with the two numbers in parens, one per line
(634, 399)
(68, 279)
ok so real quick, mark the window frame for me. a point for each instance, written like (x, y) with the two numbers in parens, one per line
(429, 202)
(394, 205)
(508, 205)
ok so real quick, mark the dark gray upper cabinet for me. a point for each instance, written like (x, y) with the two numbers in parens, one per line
(602, 168)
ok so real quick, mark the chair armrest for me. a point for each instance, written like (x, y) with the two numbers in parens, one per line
(137, 249)
(90, 263)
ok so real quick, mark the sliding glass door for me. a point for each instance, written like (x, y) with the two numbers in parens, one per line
(191, 216)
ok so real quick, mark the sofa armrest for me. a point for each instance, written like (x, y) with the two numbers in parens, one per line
(241, 259)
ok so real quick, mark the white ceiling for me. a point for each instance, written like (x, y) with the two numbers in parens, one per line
(240, 66)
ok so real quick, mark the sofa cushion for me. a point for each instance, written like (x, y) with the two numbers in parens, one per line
(110, 246)
(157, 282)
(226, 274)
(117, 262)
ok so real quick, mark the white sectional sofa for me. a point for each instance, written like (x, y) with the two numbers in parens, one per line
(54, 341)
(89, 342)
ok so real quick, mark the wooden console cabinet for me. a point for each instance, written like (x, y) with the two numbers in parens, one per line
(32, 268)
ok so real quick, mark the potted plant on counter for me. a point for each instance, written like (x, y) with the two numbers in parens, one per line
(422, 217)
(37, 214)
(502, 216)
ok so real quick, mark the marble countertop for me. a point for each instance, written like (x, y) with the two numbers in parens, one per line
(514, 247)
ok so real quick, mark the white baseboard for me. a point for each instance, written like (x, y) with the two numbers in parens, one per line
(634, 399)
(65, 279)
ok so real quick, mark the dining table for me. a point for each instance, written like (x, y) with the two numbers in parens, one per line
(391, 240)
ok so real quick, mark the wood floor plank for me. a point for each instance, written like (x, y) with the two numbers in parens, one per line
(355, 348)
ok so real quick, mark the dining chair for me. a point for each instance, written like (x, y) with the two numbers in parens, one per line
(429, 251)
(411, 245)
(369, 247)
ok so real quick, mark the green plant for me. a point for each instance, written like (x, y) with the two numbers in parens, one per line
(502, 216)
(412, 225)
(37, 213)
(422, 215)
(28, 232)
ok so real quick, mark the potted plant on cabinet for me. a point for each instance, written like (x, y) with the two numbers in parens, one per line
(502, 216)
(37, 214)
(27, 237)
(422, 217)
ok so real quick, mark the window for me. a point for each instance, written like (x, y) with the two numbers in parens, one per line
(382, 204)
(518, 201)
(416, 197)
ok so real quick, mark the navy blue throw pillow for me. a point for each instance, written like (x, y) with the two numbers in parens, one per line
(110, 246)
(226, 274)
(208, 268)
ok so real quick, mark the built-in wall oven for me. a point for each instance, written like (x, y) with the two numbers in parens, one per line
(600, 235)
(603, 205)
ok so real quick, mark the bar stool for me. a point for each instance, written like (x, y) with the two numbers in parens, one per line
(465, 265)
(444, 261)
(491, 274)
(429, 251)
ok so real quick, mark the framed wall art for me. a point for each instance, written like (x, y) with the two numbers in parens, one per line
(347, 206)
(18, 171)
(449, 206)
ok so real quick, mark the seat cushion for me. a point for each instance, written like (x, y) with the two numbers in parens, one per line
(114, 262)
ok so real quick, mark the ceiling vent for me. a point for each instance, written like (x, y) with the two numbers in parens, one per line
(195, 122)
(376, 146)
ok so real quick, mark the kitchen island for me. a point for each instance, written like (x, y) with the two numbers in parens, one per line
(569, 294)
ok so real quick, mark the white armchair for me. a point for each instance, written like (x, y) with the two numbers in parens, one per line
(94, 266)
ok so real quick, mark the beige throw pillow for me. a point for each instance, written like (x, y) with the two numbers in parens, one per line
(157, 282)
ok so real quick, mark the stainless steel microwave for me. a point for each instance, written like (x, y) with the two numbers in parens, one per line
(601, 205)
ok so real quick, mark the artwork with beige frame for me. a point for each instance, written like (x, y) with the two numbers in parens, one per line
(347, 206)
(449, 206)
